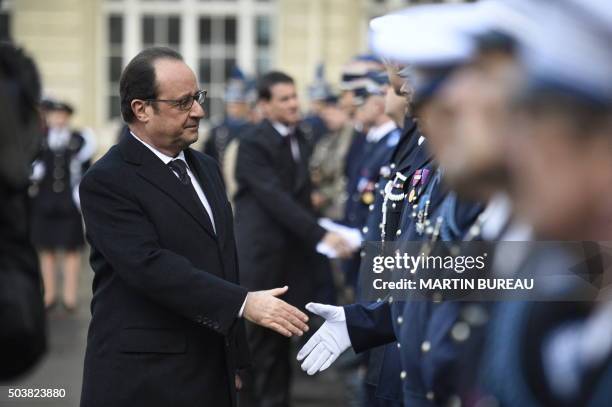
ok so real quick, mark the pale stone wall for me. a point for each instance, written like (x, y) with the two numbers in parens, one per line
(61, 36)
(313, 31)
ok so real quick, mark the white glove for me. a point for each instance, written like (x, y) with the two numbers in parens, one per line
(324, 347)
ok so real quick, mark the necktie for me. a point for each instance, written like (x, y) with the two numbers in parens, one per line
(180, 168)
(294, 146)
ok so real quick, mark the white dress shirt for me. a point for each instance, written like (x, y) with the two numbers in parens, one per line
(378, 132)
(194, 181)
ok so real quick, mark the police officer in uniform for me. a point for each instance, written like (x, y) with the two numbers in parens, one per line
(56, 217)
(318, 92)
(235, 120)
(554, 353)
(382, 384)
(380, 141)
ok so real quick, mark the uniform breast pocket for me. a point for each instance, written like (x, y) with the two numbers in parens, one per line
(152, 340)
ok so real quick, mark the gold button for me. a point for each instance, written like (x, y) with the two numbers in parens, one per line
(425, 346)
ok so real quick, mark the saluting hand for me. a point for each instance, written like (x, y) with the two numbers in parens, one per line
(263, 308)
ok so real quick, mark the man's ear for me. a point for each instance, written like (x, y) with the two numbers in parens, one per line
(139, 108)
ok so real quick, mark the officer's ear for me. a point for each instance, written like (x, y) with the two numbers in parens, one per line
(140, 110)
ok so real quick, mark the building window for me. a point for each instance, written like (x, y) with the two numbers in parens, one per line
(161, 30)
(114, 63)
(217, 56)
(263, 43)
(213, 36)
(5, 21)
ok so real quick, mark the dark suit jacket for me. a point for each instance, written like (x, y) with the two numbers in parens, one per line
(164, 329)
(276, 228)
(22, 314)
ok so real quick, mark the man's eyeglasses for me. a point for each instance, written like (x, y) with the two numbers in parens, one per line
(185, 104)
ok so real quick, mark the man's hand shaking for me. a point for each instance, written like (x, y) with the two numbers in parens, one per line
(263, 308)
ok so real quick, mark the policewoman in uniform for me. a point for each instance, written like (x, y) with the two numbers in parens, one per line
(56, 218)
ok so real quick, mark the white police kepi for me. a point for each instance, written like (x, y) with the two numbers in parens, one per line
(571, 48)
(443, 34)
(424, 35)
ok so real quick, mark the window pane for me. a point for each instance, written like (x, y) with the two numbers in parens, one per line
(262, 65)
(5, 27)
(114, 69)
(114, 107)
(229, 64)
(174, 31)
(115, 30)
(230, 30)
(204, 30)
(148, 30)
(215, 108)
(218, 69)
(262, 26)
(205, 70)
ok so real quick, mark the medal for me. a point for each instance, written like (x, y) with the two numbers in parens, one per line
(416, 178)
(367, 197)
(412, 195)
(425, 176)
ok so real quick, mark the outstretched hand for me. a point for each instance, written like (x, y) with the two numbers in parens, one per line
(265, 309)
(324, 347)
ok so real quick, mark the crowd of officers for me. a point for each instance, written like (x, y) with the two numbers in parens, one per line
(471, 122)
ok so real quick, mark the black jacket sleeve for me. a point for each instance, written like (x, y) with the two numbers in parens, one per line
(255, 172)
(119, 229)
